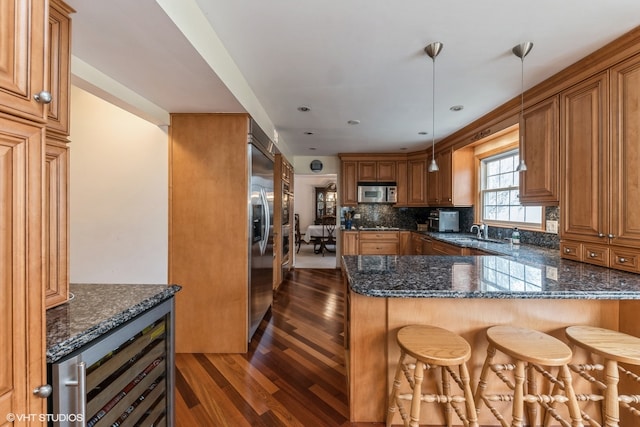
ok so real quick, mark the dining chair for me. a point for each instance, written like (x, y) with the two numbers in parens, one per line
(298, 235)
(328, 231)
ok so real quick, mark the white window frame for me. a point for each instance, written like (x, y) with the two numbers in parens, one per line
(510, 190)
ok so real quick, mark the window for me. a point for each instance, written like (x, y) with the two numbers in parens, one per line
(499, 192)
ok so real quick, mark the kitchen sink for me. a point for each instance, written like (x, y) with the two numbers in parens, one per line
(474, 239)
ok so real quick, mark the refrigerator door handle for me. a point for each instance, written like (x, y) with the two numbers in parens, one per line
(267, 222)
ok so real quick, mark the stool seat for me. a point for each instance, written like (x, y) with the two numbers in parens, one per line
(612, 345)
(529, 345)
(434, 345)
(438, 349)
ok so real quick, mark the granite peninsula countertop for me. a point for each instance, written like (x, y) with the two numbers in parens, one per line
(97, 309)
(514, 271)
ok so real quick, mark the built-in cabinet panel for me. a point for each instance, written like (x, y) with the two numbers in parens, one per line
(283, 220)
(600, 153)
(34, 58)
(417, 181)
(349, 180)
(377, 170)
(453, 184)
(57, 156)
(21, 269)
(22, 63)
(209, 232)
(349, 244)
(402, 183)
(56, 224)
(585, 161)
(625, 153)
(539, 147)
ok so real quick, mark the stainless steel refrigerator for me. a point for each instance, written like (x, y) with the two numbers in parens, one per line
(260, 227)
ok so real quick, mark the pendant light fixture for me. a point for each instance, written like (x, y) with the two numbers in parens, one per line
(521, 51)
(433, 50)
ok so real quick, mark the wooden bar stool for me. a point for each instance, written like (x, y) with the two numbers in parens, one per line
(531, 351)
(432, 347)
(614, 347)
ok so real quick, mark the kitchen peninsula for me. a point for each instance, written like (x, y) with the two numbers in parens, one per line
(532, 288)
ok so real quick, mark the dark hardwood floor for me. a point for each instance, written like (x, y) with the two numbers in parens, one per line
(293, 374)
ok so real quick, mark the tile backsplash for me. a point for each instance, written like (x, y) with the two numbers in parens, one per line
(372, 215)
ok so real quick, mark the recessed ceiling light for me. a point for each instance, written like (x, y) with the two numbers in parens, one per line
(308, 133)
(304, 108)
(312, 148)
(457, 108)
(422, 133)
(354, 122)
(403, 149)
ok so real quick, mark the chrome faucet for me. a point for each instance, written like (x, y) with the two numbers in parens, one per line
(477, 227)
(484, 230)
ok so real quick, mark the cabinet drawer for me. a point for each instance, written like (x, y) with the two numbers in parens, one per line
(594, 254)
(571, 250)
(379, 235)
(378, 248)
(440, 248)
(624, 259)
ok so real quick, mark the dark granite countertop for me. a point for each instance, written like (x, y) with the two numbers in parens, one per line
(516, 271)
(96, 309)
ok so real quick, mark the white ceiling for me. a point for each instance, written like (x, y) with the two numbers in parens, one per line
(345, 59)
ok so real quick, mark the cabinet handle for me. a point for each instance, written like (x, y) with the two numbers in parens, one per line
(611, 236)
(600, 234)
(567, 250)
(592, 255)
(449, 199)
(81, 392)
(43, 391)
(622, 260)
(43, 97)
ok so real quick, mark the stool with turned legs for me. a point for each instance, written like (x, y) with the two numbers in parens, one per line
(531, 352)
(614, 348)
(432, 347)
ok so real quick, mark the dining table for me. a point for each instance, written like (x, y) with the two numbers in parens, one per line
(314, 234)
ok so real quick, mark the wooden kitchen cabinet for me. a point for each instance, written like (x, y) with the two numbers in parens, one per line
(349, 180)
(379, 243)
(56, 207)
(625, 154)
(453, 183)
(349, 244)
(377, 171)
(441, 248)
(57, 157)
(540, 149)
(599, 161)
(585, 161)
(417, 181)
(405, 243)
(23, 73)
(401, 183)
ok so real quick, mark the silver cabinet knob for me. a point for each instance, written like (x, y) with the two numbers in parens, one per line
(592, 255)
(622, 260)
(611, 236)
(43, 391)
(600, 234)
(567, 250)
(43, 97)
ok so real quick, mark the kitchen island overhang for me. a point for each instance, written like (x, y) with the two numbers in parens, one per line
(467, 295)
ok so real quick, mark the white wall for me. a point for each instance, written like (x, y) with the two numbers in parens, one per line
(118, 195)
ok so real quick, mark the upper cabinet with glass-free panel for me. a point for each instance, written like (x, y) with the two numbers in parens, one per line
(540, 149)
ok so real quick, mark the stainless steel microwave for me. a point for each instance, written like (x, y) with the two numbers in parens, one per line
(377, 194)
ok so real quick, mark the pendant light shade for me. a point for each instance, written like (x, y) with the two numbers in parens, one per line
(521, 51)
(433, 50)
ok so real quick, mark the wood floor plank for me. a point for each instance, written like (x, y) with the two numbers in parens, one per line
(293, 374)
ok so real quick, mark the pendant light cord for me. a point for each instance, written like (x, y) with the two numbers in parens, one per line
(433, 112)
